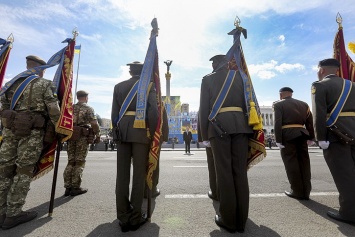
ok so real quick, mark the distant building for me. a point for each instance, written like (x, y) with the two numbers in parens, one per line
(267, 115)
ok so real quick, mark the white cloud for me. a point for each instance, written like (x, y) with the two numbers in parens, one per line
(270, 69)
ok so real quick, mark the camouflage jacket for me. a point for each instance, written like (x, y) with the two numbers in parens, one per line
(38, 97)
(83, 114)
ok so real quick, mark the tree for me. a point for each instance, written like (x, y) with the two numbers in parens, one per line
(99, 119)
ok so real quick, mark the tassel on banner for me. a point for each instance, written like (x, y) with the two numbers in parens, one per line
(253, 116)
(259, 126)
(351, 46)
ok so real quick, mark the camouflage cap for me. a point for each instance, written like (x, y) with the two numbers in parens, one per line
(135, 65)
(36, 59)
(329, 62)
(81, 93)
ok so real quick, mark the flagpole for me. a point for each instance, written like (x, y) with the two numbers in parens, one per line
(77, 74)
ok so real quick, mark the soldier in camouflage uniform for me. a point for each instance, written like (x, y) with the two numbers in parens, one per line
(84, 120)
(19, 153)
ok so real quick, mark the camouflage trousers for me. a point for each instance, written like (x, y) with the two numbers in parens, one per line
(18, 156)
(77, 152)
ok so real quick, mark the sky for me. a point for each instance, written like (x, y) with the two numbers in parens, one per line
(286, 40)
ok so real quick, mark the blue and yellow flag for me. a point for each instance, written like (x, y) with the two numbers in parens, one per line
(77, 48)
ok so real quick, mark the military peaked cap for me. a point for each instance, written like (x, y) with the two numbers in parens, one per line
(36, 59)
(286, 89)
(135, 65)
(81, 93)
(330, 62)
(218, 58)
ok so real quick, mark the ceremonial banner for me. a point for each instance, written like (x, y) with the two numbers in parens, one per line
(347, 66)
(236, 61)
(151, 67)
(5, 48)
(63, 82)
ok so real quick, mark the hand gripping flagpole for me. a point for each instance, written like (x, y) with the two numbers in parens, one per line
(59, 148)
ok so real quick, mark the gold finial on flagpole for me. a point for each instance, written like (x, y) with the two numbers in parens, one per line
(11, 38)
(237, 22)
(339, 20)
(75, 32)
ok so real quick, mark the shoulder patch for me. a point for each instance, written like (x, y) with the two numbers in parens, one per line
(313, 90)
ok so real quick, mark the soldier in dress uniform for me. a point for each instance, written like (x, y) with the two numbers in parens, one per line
(133, 146)
(340, 157)
(293, 127)
(23, 133)
(86, 131)
(230, 151)
(213, 193)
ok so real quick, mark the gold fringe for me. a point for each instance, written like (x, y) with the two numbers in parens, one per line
(64, 131)
(139, 124)
(256, 161)
(43, 172)
(351, 46)
(253, 116)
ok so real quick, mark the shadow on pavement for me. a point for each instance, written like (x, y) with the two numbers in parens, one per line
(113, 229)
(251, 229)
(27, 228)
(321, 210)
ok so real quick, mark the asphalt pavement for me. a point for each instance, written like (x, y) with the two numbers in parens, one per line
(183, 208)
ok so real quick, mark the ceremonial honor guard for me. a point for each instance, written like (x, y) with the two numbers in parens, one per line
(228, 132)
(334, 121)
(133, 146)
(27, 104)
(293, 128)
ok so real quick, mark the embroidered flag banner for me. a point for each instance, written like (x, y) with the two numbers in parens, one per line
(347, 66)
(236, 61)
(151, 68)
(5, 48)
(63, 81)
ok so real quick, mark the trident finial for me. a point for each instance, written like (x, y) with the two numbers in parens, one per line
(11, 38)
(237, 22)
(75, 32)
(339, 20)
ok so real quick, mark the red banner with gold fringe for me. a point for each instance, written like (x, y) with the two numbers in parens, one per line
(65, 122)
(347, 66)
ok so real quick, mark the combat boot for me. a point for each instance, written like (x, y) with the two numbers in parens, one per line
(77, 191)
(21, 218)
(2, 219)
(67, 191)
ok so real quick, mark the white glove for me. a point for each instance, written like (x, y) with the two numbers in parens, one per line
(310, 142)
(280, 145)
(323, 144)
(207, 143)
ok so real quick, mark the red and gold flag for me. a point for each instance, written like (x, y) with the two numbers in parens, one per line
(347, 66)
(63, 79)
(5, 48)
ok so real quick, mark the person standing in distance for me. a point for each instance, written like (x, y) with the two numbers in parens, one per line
(340, 157)
(230, 151)
(86, 126)
(187, 137)
(23, 143)
(133, 147)
(293, 127)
